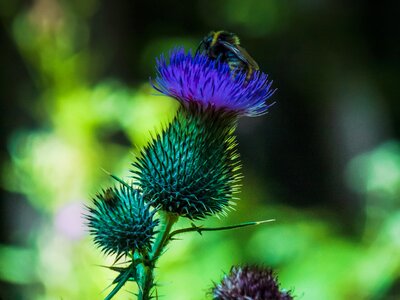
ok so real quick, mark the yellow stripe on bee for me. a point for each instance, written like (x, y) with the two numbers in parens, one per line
(249, 73)
(215, 38)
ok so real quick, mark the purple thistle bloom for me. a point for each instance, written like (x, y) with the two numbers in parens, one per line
(211, 83)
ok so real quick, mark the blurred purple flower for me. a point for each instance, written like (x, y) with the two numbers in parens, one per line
(211, 83)
(250, 283)
(68, 220)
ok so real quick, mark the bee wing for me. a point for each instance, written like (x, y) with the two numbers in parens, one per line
(249, 59)
(201, 47)
(241, 54)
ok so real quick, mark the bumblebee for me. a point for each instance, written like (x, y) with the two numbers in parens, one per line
(109, 195)
(225, 46)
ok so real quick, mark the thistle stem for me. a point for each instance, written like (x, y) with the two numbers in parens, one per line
(146, 280)
(167, 220)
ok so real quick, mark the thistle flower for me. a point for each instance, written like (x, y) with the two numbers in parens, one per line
(191, 167)
(210, 83)
(250, 283)
(121, 222)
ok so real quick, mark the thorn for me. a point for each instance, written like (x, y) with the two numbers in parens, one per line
(265, 221)
(105, 171)
(118, 258)
(175, 239)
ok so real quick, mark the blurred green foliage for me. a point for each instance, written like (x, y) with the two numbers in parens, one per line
(88, 116)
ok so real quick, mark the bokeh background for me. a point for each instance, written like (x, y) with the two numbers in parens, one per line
(325, 162)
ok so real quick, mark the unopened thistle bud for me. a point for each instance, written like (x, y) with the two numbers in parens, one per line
(191, 167)
(121, 222)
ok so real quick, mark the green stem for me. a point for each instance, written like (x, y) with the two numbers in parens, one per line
(147, 278)
(200, 229)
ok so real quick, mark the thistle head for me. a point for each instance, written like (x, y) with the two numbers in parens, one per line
(191, 167)
(210, 83)
(250, 282)
(121, 222)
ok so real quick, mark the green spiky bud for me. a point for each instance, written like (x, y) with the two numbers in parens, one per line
(191, 167)
(121, 222)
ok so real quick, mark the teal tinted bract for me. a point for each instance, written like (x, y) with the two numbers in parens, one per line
(121, 221)
(191, 168)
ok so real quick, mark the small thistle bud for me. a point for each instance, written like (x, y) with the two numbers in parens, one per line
(250, 283)
(191, 168)
(121, 222)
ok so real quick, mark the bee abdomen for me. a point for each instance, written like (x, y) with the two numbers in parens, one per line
(235, 64)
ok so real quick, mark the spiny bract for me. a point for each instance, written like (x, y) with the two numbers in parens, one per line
(191, 168)
(121, 222)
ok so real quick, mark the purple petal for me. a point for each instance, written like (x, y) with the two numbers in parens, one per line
(210, 82)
